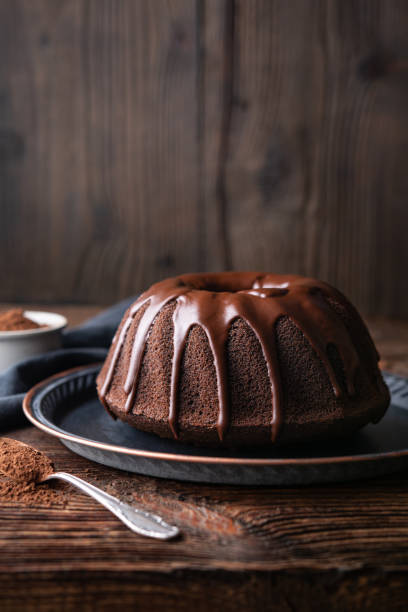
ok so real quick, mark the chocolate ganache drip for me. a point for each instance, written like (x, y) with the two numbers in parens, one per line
(213, 302)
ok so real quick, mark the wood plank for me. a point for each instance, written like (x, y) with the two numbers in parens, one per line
(274, 119)
(361, 144)
(182, 591)
(141, 75)
(314, 174)
(100, 153)
(214, 30)
(40, 78)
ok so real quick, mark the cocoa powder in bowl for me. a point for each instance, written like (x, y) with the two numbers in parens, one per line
(15, 320)
(24, 468)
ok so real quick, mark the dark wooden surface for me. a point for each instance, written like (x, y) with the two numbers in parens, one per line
(143, 139)
(336, 547)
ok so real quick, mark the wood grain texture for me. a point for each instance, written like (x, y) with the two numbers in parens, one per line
(102, 197)
(335, 547)
(314, 155)
(143, 139)
(249, 591)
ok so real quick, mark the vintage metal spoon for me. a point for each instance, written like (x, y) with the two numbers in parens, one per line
(139, 521)
(22, 462)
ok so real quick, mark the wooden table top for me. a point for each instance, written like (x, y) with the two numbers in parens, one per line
(332, 547)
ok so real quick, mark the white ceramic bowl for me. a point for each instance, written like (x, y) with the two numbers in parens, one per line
(18, 345)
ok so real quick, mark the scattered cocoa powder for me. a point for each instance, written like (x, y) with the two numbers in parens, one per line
(32, 494)
(15, 320)
(24, 467)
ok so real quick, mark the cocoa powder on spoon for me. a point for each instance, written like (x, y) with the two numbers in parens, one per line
(24, 468)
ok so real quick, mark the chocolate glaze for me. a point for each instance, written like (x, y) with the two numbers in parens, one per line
(214, 301)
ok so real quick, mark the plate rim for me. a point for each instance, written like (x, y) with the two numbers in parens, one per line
(163, 456)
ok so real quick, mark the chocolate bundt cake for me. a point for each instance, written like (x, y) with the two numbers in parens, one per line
(243, 358)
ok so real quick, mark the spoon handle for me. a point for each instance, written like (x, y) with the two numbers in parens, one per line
(139, 521)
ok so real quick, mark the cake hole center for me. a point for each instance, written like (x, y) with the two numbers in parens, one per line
(218, 289)
(268, 292)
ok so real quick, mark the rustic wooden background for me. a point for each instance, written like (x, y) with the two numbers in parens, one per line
(139, 139)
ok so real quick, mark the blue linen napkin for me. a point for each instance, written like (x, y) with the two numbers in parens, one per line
(88, 343)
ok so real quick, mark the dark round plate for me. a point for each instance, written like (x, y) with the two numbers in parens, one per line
(66, 406)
